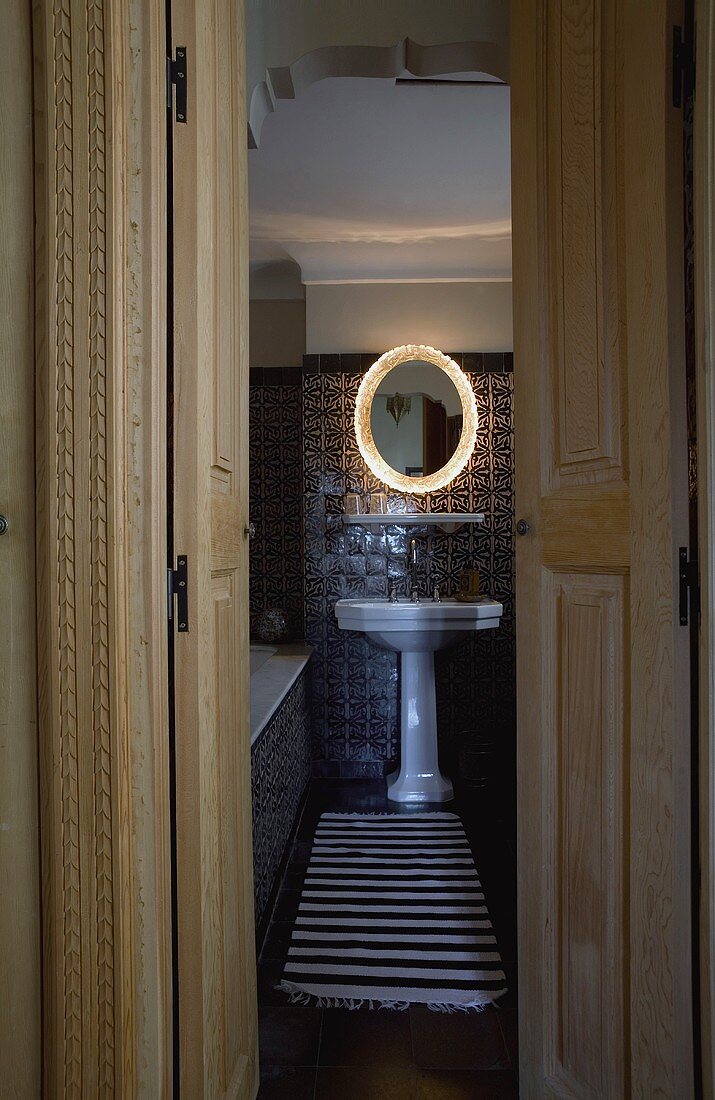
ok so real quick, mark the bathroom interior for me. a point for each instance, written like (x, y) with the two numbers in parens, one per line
(383, 707)
(382, 587)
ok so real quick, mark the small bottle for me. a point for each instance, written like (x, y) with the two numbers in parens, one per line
(468, 591)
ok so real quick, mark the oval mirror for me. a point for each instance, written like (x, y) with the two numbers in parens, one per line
(415, 419)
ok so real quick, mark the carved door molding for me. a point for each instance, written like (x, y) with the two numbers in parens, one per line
(100, 212)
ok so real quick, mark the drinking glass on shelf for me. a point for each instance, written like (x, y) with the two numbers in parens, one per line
(378, 504)
(352, 504)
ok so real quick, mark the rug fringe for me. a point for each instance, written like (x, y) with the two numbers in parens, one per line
(298, 996)
(469, 1006)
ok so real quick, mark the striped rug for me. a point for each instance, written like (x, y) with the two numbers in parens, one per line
(392, 913)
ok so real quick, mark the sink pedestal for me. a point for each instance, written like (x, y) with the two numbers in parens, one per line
(415, 631)
(418, 778)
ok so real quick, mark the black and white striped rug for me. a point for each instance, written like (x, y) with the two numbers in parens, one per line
(392, 913)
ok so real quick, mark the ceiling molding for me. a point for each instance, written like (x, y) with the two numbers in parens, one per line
(289, 81)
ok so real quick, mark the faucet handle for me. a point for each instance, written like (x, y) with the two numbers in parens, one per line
(436, 598)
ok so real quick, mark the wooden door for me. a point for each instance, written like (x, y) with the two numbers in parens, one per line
(434, 435)
(216, 946)
(19, 809)
(604, 998)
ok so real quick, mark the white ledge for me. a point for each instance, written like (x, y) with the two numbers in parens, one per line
(446, 521)
(272, 681)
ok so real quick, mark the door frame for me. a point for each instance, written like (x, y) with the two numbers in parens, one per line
(100, 343)
(704, 212)
(20, 932)
(102, 573)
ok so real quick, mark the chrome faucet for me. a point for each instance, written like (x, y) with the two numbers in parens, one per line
(413, 571)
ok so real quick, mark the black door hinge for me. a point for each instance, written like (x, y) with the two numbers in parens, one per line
(178, 586)
(176, 78)
(683, 66)
(688, 589)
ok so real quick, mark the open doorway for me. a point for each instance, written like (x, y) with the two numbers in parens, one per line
(603, 900)
(379, 213)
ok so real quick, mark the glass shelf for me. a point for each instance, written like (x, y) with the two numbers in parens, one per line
(446, 521)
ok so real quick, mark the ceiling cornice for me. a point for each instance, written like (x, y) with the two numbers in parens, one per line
(288, 81)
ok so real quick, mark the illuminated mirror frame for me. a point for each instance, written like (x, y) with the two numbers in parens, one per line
(363, 427)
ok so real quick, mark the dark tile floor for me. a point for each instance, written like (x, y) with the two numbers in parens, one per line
(334, 1054)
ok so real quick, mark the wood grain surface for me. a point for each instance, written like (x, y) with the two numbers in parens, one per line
(704, 199)
(217, 977)
(604, 897)
(20, 977)
(101, 563)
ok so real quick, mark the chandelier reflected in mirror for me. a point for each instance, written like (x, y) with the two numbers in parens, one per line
(398, 406)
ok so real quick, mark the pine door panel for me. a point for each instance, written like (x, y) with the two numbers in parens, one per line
(603, 994)
(581, 226)
(217, 982)
(584, 648)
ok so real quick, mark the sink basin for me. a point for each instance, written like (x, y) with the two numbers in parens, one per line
(416, 630)
(416, 627)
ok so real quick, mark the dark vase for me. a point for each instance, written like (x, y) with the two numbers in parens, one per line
(272, 625)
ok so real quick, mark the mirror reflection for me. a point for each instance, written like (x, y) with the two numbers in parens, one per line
(416, 418)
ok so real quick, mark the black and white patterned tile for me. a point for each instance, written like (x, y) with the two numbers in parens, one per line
(355, 710)
(276, 502)
(280, 771)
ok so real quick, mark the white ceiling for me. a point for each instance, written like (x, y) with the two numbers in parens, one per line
(361, 180)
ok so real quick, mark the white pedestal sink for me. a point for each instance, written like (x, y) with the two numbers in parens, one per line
(416, 630)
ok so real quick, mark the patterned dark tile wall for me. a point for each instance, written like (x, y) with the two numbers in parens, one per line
(355, 723)
(275, 487)
(280, 770)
